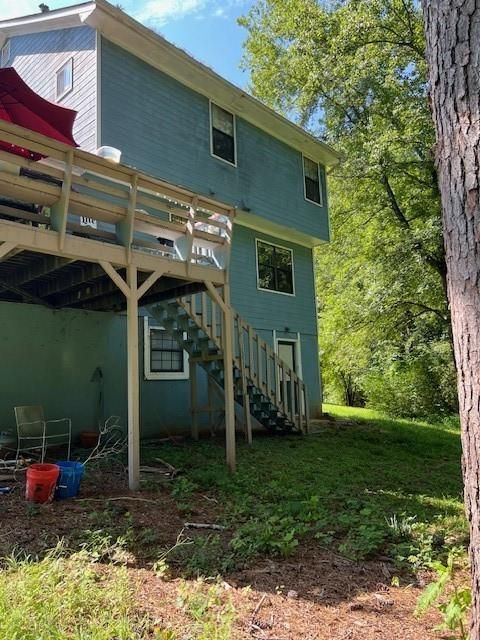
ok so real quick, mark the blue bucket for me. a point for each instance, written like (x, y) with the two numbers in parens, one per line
(69, 480)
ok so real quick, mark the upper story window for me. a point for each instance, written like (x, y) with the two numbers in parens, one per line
(164, 358)
(5, 54)
(313, 183)
(64, 79)
(222, 134)
(275, 268)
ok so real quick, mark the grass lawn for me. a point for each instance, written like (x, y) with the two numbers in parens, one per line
(331, 515)
(379, 486)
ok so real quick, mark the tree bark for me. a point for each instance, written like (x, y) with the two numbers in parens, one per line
(452, 30)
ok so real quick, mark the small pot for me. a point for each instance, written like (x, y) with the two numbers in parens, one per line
(89, 439)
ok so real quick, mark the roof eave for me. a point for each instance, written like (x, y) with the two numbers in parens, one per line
(131, 35)
(155, 50)
(73, 16)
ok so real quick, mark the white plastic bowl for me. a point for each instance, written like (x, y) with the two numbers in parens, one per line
(110, 153)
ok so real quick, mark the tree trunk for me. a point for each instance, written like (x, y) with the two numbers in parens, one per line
(452, 29)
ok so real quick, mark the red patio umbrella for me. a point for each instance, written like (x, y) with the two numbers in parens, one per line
(22, 106)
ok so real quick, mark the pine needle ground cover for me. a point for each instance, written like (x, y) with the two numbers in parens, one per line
(337, 529)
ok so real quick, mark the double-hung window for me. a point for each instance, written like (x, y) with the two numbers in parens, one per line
(312, 173)
(5, 54)
(164, 358)
(275, 268)
(222, 134)
(64, 79)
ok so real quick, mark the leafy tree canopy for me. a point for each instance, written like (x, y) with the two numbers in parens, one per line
(353, 72)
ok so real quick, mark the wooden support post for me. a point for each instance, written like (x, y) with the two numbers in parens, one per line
(59, 211)
(228, 381)
(227, 347)
(6, 248)
(133, 374)
(193, 398)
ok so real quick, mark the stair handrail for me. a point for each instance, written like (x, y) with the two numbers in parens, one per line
(262, 366)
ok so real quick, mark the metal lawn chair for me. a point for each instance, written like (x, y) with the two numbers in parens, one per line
(34, 433)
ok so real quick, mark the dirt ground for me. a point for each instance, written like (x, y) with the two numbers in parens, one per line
(315, 594)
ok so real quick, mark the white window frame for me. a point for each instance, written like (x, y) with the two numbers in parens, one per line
(273, 244)
(5, 54)
(59, 70)
(230, 164)
(318, 204)
(160, 375)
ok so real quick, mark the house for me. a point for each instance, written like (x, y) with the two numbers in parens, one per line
(226, 155)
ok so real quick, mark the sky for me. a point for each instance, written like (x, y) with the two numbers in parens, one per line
(207, 29)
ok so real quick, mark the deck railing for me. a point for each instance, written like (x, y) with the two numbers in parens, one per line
(74, 192)
(255, 358)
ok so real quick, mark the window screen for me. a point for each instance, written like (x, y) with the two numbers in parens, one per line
(313, 189)
(65, 79)
(223, 134)
(5, 55)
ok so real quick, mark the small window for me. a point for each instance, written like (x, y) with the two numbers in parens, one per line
(64, 79)
(313, 183)
(164, 358)
(5, 55)
(222, 134)
(275, 268)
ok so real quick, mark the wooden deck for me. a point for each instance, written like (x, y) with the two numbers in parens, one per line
(77, 231)
(86, 211)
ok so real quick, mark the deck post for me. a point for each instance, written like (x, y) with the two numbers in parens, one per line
(228, 381)
(227, 347)
(133, 373)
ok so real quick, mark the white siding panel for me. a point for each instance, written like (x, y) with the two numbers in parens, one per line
(38, 56)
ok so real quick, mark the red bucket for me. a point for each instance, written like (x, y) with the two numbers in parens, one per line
(41, 482)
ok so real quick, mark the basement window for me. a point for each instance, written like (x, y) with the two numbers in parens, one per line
(274, 268)
(222, 134)
(312, 181)
(164, 359)
(5, 54)
(64, 79)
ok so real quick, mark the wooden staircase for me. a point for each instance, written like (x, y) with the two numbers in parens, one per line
(265, 386)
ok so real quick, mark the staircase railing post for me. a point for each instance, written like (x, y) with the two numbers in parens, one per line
(193, 397)
(246, 399)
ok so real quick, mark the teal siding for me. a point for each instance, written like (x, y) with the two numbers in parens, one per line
(267, 311)
(49, 357)
(162, 127)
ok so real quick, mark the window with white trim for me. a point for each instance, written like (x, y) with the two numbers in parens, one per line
(164, 359)
(64, 79)
(222, 134)
(312, 181)
(5, 54)
(274, 268)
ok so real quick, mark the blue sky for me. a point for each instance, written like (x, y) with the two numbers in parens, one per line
(207, 29)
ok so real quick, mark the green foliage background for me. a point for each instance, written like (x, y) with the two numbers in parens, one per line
(353, 72)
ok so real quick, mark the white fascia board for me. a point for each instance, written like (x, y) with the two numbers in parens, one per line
(119, 28)
(116, 26)
(49, 21)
